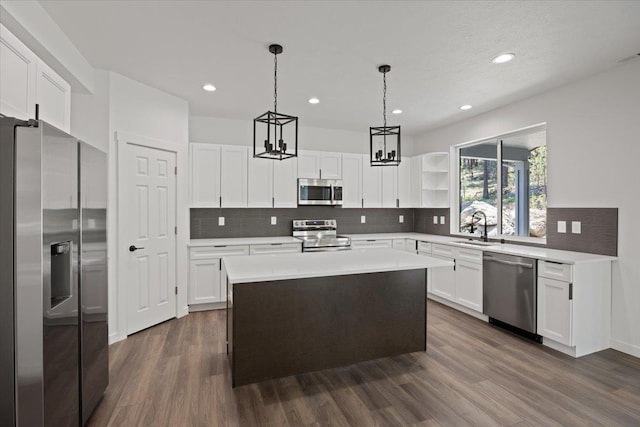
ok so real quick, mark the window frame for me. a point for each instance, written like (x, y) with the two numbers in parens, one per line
(454, 185)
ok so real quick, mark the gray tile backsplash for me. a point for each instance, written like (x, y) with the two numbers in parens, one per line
(599, 234)
(599, 225)
(249, 222)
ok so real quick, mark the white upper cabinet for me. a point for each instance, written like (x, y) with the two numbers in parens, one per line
(352, 180)
(205, 175)
(319, 164)
(389, 186)
(260, 182)
(331, 165)
(54, 97)
(18, 69)
(416, 177)
(233, 176)
(405, 194)
(285, 183)
(371, 184)
(26, 81)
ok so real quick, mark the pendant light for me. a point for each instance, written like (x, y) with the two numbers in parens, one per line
(275, 139)
(384, 141)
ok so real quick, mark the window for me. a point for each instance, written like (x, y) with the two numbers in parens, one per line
(513, 197)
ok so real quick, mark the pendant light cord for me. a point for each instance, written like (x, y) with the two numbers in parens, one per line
(384, 98)
(275, 82)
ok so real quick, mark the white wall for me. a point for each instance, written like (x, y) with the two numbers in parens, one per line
(593, 140)
(137, 109)
(240, 132)
(90, 119)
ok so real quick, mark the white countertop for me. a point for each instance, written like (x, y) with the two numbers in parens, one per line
(261, 268)
(566, 257)
(243, 241)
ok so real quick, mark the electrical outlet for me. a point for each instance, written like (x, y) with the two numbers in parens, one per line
(274, 220)
(576, 227)
(363, 219)
(220, 221)
(442, 220)
(562, 226)
(401, 219)
(435, 219)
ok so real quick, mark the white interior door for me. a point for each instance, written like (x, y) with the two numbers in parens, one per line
(149, 230)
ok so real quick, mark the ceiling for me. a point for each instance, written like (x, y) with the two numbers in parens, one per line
(440, 53)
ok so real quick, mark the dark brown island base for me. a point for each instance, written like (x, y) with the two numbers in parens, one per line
(283, 327)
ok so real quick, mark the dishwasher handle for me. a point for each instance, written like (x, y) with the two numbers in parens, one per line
(512, 263)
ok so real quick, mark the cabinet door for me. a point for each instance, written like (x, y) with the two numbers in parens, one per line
(285, 183)
(309, 164)
(469, 285)
(412, 246)
(204, 281)
(205, 175)
(554, 310)
(260, 182)
(53, 94)
(371, 184)
(233, 177)
(443, 281)
(351, 181)
(389, 186)
(331, 165)
(405, 198)
(17, 77)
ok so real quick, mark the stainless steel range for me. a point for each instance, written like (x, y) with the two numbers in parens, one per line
(319, 235)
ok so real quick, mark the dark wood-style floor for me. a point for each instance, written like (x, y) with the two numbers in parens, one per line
(176, 374)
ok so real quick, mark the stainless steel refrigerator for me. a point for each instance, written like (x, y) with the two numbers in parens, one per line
(53, 271)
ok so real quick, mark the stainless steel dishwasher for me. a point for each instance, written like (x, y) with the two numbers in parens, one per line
(510, 292)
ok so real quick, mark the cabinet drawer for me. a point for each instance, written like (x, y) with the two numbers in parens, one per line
(443, 250)
(371, 243)
(553, 270)
(275, 248)
(400, 244)
(471, 255)
(424, 247)
(205, 252)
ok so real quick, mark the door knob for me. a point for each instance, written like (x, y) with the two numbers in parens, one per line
(132, 248)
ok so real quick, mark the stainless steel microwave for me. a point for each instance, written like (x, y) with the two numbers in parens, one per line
(319, 191)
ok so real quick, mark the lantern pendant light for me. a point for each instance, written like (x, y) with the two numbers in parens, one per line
(384, 141)
(274, 127)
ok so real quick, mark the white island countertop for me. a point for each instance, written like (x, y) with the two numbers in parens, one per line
(230, 241)
(263, 268)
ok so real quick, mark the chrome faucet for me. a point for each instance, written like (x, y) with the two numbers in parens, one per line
(485, 237)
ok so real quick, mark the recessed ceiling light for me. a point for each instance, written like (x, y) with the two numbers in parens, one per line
(209, 87)
(397, 111)
(465, 107)
(313, 101)
(505, 57)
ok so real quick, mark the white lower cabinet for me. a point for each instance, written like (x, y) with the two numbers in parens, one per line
(206, 284)
(554, 310)
(443, 280)
(469, 284)
(275, 248)
(461, 283)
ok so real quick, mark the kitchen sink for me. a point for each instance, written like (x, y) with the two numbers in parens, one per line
(475, 243)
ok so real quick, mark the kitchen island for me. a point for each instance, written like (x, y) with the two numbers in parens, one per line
(294, 313)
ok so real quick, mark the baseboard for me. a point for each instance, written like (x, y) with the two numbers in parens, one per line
(562, 348)
(115, 337)
(633, 350)
(458, 307)
(208, 306)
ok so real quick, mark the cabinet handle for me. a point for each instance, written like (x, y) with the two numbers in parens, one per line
(362, 201)
(220, 246)
(320, 173)
(220, 201)
(570, 291)
(397, 203)
(273, 202)
(454, 265)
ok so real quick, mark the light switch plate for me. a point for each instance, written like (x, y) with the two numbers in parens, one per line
(401, 219)
(562, 226)
(220, 221)
(576, 227)
(274, 220)
(442, 220)
(363, 219)
(435, 219)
